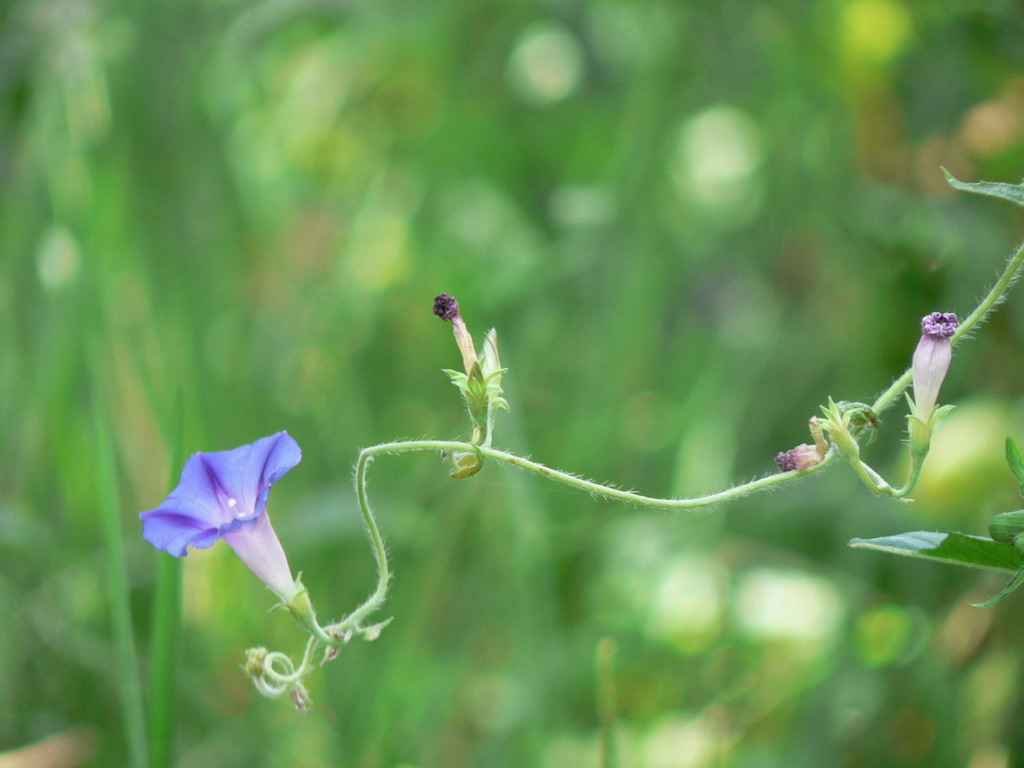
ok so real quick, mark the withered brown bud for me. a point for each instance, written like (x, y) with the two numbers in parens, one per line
(804, 456)
(446, 307)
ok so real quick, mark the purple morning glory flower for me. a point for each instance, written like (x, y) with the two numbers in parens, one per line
(223, 495)
(931, 360)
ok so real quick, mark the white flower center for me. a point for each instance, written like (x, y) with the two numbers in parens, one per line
(232, 503)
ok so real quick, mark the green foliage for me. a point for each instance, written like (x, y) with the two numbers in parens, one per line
(1015, 459)
(1010, 587)
(1012, 192)
(250, 206)
(1003, 550)
(126, 671)
(956, 548)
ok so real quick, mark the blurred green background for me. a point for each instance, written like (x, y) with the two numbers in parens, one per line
(691, 222)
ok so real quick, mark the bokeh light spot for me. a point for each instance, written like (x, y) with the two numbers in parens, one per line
(58, 259)
(716, 159)
(883, 635)
(546, 65)
(686, 608)
(376, 254)
(680, 742)
(874, 31)
(774, 604)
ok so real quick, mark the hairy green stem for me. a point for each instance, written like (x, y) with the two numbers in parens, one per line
(631, 497)
(917, 464)
(297, 674)
(375, 600)
(367, 455)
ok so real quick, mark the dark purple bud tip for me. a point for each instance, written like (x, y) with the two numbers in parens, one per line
(939, 325)
(446, 307)
(803, 456)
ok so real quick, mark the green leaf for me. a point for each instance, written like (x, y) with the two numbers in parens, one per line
(1015, 582)
(958, 548)
(1012, 192)
(1015, 459)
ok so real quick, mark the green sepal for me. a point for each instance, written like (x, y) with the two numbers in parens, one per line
(482, 394)
(920, 431)
(860, 418)
(920, 434)
(1015, 582)
(494, 392)
(1015, 459)
(940, 414)
(300, 606)
(473, 391)
(1012, 192)
(837, 426)
(373, 631)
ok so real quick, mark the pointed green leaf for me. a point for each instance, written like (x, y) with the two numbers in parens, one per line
(957, 548)
(1012, 192)
(1015, 582)
(1015, 459)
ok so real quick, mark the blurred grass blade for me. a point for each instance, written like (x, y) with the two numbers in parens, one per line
(117, 587)
(1012, 192)
(1016, 461)
(957, 548)
(166, 631)
(166, 623)
(606, 652)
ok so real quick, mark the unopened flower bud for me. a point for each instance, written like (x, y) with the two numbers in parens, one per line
(804, 456)
(1008, 528)
(447, 308)
(931, 360)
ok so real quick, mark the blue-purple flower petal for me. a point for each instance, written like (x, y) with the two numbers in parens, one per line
(219, 491)
(245, 474)
(174, 533)
(258, 546)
